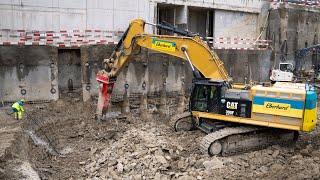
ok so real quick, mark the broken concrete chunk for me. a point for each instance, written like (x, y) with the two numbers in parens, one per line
(275, 153)
(161, 159)
(186, 177)
(214, 163)
(120, 167)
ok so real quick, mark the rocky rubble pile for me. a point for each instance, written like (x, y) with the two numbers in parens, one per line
(150, 149)
(146, 150)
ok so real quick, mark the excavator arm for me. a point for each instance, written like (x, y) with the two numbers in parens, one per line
(203, 61)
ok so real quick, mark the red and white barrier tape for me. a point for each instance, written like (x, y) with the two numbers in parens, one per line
(304, 3)
(77, 38)
(238, 43)
(63, 38)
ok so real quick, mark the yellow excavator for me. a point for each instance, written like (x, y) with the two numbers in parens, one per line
(235, 118)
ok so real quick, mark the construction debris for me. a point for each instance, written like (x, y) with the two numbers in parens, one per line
(144, 149)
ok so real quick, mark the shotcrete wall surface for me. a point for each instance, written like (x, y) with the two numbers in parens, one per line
(291, 28)
(247, 65)
(147, 73)
(69, 69)
(91, 62)
(28, 72)
(35, 70)
(151, 72)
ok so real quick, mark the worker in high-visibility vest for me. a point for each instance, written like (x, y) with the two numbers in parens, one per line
(18, 109)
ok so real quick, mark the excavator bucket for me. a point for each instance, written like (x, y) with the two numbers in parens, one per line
(105, 90)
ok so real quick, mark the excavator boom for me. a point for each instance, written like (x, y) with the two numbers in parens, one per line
(203, 61)
(194, 50)
(200, 54)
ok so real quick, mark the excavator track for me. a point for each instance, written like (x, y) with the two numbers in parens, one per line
(234, 140)
(182, 122)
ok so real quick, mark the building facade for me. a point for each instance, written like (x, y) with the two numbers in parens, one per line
(211, 18)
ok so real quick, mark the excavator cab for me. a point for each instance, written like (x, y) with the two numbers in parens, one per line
(206, 97)
(214, 97)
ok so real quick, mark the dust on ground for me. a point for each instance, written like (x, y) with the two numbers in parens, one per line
(136, 148)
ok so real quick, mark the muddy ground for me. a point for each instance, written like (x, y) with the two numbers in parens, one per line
(135, 148)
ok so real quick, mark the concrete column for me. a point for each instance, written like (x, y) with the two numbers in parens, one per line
(54, 74)
(144, 106)
(163, 91)
(182, 16)
(126, 89)
(125, 106)
(85, 79)
(144, 114)
(182, 99)
(151, 16)
(163, 102)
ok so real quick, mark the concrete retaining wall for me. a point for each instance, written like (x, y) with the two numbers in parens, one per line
(159, 71)
(244, 66)
(291, 28)
(28, 72)
(69, 69)
(39, 69)
(149, 73)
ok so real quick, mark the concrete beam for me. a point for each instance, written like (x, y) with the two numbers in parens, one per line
(253, 6)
